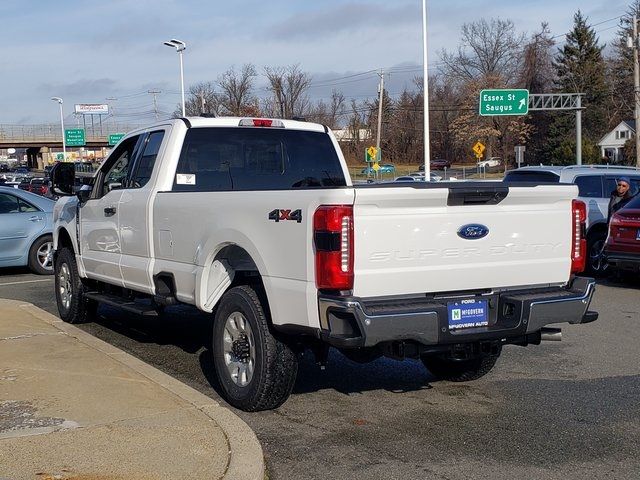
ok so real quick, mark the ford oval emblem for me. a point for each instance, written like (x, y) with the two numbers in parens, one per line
(473, 231)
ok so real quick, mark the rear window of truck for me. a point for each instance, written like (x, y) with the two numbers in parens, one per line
(227, 159)
(532, 176)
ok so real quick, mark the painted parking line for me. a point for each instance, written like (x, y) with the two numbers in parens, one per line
(26, 281)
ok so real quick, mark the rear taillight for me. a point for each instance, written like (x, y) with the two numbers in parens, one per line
(578, 240)
(616, 220)
(333, 241)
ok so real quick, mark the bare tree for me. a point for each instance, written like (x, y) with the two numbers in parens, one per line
(328, 114)
(202, 98)
(288, 86)
(237, 87)
(487, 49)
(537, 71)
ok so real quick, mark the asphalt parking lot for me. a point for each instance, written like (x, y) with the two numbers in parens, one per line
(559, 410)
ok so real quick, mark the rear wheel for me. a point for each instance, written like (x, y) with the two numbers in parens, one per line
(447, 368)
(255, 368)
(73, 306)
(41, 256)
(597, 264)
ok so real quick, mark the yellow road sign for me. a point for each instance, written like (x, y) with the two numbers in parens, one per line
(376, 166)
(479, 148)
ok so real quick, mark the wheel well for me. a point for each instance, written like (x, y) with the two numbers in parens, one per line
(596, 229)
(64, 241)
(246, 272)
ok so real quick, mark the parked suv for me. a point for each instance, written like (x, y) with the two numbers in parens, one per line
(595, 184)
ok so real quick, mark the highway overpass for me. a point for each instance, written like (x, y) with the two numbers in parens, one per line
(42, 141)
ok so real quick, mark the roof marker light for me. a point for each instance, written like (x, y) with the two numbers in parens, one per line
(261, 122)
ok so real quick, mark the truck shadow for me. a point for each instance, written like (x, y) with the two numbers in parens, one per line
(185, 329)
(619, 279)
(344, 376)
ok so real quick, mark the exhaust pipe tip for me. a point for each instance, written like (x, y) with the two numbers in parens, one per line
(549, 334)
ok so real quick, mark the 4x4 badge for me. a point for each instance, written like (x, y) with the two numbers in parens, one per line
(279, 215)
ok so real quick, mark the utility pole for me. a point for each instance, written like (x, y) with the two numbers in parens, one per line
(155, 101)
(112, 111)
(380, 91)
(636, 85)
(202, 103)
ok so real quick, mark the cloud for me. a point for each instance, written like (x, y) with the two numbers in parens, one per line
(345, 18)
(80, 87)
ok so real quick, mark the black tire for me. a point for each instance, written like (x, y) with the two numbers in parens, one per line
(272, 363)
(597, 264)
(444, 368)
(41, 256)
(73, 306)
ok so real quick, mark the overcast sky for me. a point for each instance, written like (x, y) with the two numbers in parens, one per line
(86, 51)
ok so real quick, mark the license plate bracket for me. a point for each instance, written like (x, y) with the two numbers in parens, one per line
(467, 313)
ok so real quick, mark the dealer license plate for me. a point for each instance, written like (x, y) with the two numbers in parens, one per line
(468, 314)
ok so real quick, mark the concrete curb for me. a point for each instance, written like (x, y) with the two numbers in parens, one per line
(245, 453)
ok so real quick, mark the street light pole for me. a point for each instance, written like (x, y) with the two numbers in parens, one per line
(179, 45)
(427, 152)
(64, 143)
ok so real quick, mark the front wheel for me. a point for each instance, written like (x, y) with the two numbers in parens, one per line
(255, 368)
(73, 306)
(446, 368)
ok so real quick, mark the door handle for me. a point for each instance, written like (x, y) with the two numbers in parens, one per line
(35, 219)
(109, 211)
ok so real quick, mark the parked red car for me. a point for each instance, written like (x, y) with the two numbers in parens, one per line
(436, 164)
(623, 244)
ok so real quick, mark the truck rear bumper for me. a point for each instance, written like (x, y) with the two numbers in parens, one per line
(351, 322)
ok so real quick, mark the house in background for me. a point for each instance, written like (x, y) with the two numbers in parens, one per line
(612, 144)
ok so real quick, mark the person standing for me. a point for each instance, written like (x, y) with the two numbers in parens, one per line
(620, 196)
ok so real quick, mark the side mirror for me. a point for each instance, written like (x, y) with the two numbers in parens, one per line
(83, 193)
(63, 177)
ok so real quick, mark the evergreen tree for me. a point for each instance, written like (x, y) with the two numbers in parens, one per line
(620, 69)
(580, 68)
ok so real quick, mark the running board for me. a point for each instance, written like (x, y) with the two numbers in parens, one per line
(124, 304)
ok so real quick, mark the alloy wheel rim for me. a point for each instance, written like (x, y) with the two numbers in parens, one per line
(45, 255)
(239, 349)
(597, 259)
(64, 286)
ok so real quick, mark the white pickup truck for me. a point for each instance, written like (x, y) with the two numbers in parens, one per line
(257, 222)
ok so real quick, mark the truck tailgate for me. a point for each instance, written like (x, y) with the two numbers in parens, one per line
(410, 239)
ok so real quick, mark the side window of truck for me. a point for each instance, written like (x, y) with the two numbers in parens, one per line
(115, 171)
(243, 159)
(145, 162)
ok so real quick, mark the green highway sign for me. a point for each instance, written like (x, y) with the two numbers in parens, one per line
(74, 137)
(504, 102)
(114, 138)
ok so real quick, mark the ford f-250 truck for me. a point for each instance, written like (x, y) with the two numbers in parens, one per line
(258, 222)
